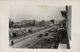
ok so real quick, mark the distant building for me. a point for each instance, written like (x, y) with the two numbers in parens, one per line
(18, 24)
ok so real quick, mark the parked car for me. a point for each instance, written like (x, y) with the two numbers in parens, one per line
(46, 34)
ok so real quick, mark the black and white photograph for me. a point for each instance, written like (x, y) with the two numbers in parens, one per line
(40, 26)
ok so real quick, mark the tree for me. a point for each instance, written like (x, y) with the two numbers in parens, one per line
(42, 23)
(10, 23)
(14, 35)
(52, 20)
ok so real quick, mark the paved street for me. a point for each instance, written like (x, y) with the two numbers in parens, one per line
(29, 40)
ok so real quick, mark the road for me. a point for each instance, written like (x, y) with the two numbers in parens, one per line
(29, 40)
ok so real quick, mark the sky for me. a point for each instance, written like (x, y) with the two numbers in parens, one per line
(22, 11)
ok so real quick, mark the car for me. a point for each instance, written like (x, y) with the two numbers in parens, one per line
(46, 34)
(40, 35)
(54, 34)
(49, 31)
(30, 30)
